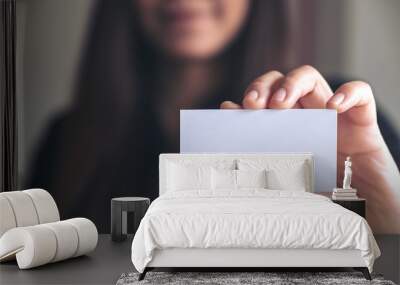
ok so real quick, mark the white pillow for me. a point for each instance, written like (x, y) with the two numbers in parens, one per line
(251, 178)
(293, 179)
(187, 177)
(236, 179)
(282, 174)
(223, 179)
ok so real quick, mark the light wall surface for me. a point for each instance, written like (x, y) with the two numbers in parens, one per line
(373, 50)
(360, 39)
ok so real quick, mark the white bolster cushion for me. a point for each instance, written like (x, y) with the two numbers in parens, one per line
(7, 218)
(40, 244)
(33, 246)
(45, 205)
(87, 235)
(26, 208)
(23, 208)
(66, 238)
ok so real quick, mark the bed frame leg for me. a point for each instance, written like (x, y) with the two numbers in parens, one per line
(143, 274)
(364, 271)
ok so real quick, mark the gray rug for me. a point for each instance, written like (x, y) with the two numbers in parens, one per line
(225, 278)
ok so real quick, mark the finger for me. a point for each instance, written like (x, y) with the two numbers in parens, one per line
(297, 106)
(356, 98)
(229, 105)
(258, 93)
(304, 85)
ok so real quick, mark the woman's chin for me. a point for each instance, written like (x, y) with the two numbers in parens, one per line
(192, 52)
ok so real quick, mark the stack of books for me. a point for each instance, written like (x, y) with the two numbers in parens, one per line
(344, 194)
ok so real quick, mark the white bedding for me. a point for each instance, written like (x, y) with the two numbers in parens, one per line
(250, 218)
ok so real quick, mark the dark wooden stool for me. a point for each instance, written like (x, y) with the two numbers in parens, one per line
(120, 207)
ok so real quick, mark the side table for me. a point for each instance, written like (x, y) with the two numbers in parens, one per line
(356, 205)
(119, 215)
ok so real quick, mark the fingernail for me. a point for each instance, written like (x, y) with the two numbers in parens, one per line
(253, 94)
(337, 99)
(280, 95)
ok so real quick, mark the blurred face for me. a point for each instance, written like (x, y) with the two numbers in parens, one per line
(192, 29)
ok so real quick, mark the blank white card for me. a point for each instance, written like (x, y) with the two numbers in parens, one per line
(296, 130)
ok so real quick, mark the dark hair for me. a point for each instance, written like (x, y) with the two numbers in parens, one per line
(117, 66)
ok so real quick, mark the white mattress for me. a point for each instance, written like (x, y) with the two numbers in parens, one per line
(250, 218)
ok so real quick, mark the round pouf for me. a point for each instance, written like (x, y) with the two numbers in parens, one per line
(119, 215)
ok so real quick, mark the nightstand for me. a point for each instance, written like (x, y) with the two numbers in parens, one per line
(355, 205)
(120, 207)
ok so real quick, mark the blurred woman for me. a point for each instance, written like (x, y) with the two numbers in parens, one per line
(147, 59)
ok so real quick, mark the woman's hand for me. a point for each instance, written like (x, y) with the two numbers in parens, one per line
(375, 174)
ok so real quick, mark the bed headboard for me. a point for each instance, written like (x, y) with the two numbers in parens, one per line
(213, 159)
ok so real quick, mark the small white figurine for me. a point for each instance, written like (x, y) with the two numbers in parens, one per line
(347, 174)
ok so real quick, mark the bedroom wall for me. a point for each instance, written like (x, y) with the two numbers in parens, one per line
(50, 38)
(356, 39)
(360, 39)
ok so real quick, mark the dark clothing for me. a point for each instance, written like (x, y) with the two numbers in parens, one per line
(132, 172)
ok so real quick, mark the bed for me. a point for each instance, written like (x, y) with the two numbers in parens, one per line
(247, 211)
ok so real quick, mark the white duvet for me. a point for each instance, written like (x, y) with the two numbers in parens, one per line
(250, 218)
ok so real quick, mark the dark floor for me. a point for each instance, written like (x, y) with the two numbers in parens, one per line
(110, 260)
(103, 266)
